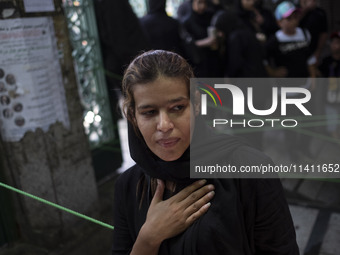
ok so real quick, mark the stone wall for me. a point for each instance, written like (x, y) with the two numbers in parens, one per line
(55, 165)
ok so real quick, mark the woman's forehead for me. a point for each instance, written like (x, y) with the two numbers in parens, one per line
(161, 90)
(162, 85)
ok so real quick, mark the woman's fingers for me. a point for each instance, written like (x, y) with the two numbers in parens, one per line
(194, 199)
(183, 194)
(198, 214)
(195, 196)
(172, 216)
(199, 204)
(158, 196)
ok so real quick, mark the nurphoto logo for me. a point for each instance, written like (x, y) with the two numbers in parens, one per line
(280, 97)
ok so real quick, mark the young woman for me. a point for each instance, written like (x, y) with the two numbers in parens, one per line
(158, 209)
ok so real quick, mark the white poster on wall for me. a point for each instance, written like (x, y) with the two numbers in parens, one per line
(39, 6)
(31, 89)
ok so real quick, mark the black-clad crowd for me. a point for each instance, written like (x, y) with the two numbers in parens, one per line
(233, 38)
(244, 39)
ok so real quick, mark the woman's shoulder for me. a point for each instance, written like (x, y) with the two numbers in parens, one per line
(130, 177)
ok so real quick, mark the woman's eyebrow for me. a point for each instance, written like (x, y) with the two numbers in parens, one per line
(145, 106)
(175, 100)
(171, 101)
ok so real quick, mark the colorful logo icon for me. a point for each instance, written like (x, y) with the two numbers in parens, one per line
(209, 93)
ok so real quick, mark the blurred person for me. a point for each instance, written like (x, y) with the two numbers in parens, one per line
(269, 25)
(251, 17)
(121, 38)
(202, 52)
(330, 67)
(216, 5)
(161, 31)
(288, 49)
(183, 11)
(315, 20)
(288, 56)
(244, 53)
(244, 58)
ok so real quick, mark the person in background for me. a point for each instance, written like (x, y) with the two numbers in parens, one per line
(202, 53)
(269, 25)
(315, 20)
(161, 31)
(330, 67)
(244, 54)
(244, 58)
(183, 11)
(288, 57)
(288, 49)
(121, 38)
(251, 17)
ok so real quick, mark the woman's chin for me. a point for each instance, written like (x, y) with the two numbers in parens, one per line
(168, 156)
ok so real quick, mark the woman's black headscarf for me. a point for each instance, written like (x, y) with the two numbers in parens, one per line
(156, 6)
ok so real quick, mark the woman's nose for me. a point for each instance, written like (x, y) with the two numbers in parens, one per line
(165, 123)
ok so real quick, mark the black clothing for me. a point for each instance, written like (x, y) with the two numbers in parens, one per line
(292, 54)
(197, 24)
(244, 57)
(269, 26)
(203, 59)
(246, 216)
(330, 67)
(183, 11)
(121, 39)
(244, 54)
(120, 34)
(316, 22)
(247, 17)
(161, 31)
(214, 8)
(227, 22)
(156, 6)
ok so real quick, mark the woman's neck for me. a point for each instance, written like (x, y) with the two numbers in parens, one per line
(170, 185)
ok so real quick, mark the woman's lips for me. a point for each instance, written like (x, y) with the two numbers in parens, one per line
(169, 142)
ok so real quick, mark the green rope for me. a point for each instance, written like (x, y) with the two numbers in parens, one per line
(57, 206)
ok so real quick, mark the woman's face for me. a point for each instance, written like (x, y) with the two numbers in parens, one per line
(162, 114)
(248, 4)
(308, 4)
(199, 6)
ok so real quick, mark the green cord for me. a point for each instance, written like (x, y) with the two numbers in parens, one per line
(57, 206)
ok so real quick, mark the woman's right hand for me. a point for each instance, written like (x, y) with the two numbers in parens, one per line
(168, 218)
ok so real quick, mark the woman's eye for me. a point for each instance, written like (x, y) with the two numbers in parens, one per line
(148, 113)
(178, 107)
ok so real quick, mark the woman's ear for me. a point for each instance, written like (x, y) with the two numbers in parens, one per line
(197, 104)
